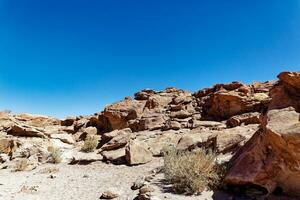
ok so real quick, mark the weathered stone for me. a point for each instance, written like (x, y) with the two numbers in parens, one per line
(137, 153)
(183, 99)
(270, 159)
(174, 125)
(83, 132)
(161, 141)
(80, 157)
(246, 118)
(118, 141)
(67, 138)
(25, 130)
(37, 120)
(110, 135)
(110, 194)
(222, 141)
(69, 121)
(138, 183)
(144, 94)
(180, 114)
(80, 123)
(115, 156)
(119, 113)
(8, 146)
(208, 124)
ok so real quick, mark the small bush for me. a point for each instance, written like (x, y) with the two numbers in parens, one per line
(192, 172)
(55, 155)
(90, 144)
(21, 164)
(260, 96)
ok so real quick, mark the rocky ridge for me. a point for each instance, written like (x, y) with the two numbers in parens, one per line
(255, 127)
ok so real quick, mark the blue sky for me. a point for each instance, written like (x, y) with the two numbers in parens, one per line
(70, 57)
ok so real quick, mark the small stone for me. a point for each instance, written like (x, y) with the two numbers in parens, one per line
(138, 183)
(110, 194)
(146, 189)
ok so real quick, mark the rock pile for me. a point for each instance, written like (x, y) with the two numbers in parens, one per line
(135, 130)
(270, 160)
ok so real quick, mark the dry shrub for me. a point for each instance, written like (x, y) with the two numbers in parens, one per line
(260, 96)
(90, 144)
(21, 164)
(55, 155)
(192, 172)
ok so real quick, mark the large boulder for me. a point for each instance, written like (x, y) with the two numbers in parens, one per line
(270, 160)
(25, 130)
(118, 141)
(115, 156)
(120, 113)
(226, 100)
(245, 118)
(137, 153)
(286, 92)
(227, 104)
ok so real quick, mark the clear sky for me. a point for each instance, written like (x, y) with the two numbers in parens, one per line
(71, 57)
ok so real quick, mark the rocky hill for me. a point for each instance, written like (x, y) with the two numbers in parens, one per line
(253, 127)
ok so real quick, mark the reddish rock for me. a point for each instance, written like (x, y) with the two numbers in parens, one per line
(27, 131)
(118, 141)
(270, 159)
(7, 146)
(120, 113)
(246, 118)
(144, 94)
(174, 125)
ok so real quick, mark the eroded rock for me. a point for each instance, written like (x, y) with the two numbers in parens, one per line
(137, 153)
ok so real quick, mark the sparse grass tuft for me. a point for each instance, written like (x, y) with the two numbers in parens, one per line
(90, 144)
(55, 155)
(21, 164)
(192, 172)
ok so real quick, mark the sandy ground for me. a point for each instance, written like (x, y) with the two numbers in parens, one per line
(78, 182)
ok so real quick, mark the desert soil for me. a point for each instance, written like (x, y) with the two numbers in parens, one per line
(67, 182)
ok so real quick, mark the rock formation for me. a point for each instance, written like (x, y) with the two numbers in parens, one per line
(270, 160)
(134, 130)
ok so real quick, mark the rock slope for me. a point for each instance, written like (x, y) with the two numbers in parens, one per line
(257, 124)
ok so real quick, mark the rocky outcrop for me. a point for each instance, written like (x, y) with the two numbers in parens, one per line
(255, 126)
(221, 141)
(25, 130)
(176, 109)
(269, 161)
(226, 100)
